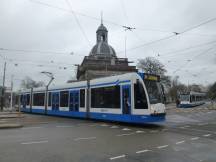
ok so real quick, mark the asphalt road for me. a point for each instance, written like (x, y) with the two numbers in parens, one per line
(188, 135)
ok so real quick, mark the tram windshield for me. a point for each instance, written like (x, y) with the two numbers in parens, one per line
(154, 91)
(184, 97)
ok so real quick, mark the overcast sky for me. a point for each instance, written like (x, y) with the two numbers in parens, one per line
(27, 25)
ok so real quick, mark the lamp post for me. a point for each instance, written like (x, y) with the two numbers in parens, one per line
(50, 75)
(3, 88)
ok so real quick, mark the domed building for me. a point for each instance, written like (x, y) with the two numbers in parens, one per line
(102, 60)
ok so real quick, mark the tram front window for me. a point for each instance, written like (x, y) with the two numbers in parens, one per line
(184, 98)
(154, 91)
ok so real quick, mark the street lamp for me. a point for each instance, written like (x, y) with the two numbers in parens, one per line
(50, 75)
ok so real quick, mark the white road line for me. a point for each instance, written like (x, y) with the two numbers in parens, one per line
(33, 142)
(117, 157)
(177, 143)
(165, 129)
(187, 126)
(199, 130)
(126, 129)
(64, 126)
(202, 124)
(154, 131)
(104, 125)
(93, 125)
(31, 127)
(194, 138)
(139, 131)
(85, 138)
(206, 135)
(114, 127)
(126, 134)
(164, 146)
(142, 151)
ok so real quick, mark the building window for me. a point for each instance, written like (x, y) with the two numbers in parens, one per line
(82, 97)
(38, 99)
(105, 97)
(64, 98)
(140, 97)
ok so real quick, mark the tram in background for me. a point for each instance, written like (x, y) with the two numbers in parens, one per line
(131, 98)
(192, 99)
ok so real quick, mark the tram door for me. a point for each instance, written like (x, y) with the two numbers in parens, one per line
(55, 101)
(24, 101)
(126, 99)
(74, 101)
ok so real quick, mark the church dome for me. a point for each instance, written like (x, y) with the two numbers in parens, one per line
(102, 28)
(102, 47)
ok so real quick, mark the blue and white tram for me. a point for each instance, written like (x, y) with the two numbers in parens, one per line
(192, 99)
(131, 97)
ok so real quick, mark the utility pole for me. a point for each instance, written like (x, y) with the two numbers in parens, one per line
(11, 99)
(50, 75)
(3, 88)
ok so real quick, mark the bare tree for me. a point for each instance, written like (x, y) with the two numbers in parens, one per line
(151, 65)
(28, 83)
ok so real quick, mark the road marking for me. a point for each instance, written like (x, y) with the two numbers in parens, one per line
(104, 125)
(202, 124)
(199, 130)
(209, 112)
(84, 138)
(117, 157)
(165, 129)
(187, 126)
(126, 129)
(139, 131)
(33, 142)
(93, 125)
(164, 146)
(207, 135)
(64, 126)
(142, 151)
(177, 143)
(154, 131)
(31, 127)
(126, 134)
(114, 127)
(194, 138)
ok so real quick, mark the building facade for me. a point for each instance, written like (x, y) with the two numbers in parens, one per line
(102, 60)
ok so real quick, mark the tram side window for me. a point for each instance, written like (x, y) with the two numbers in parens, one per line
(105, 97)
(140, 97)
(38, 99)
(28, 99)
(49, 99)
(82, 97)
(21, 99)
(64, 98)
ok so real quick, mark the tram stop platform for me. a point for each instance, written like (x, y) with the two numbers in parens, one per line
(6, 123)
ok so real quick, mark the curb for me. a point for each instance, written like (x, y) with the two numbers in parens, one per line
(9, 126)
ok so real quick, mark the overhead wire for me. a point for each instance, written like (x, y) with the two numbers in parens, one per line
(96, 18)
(78, 22)
(188, 61)
(32, 51)
(187, 48)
